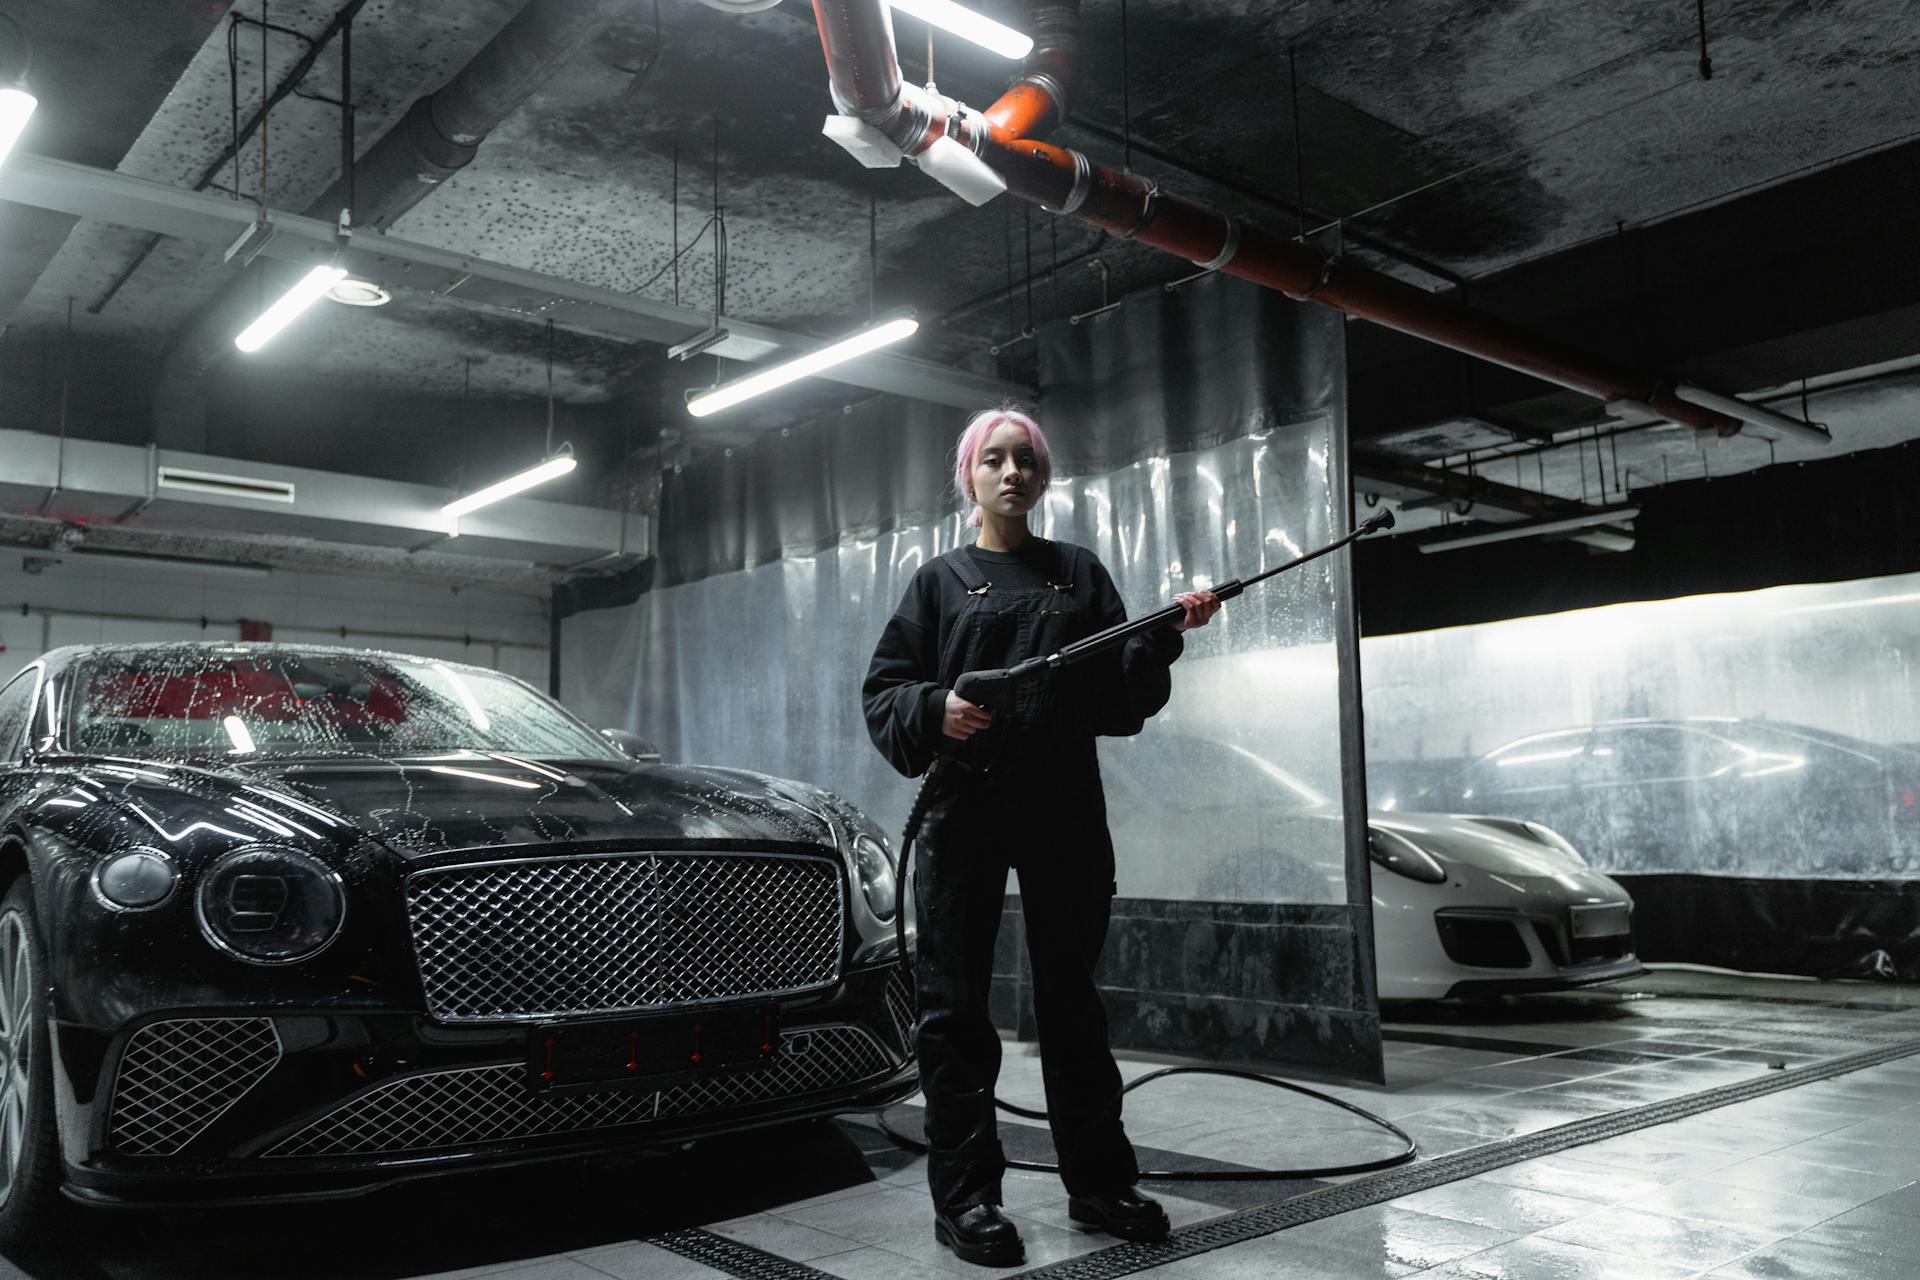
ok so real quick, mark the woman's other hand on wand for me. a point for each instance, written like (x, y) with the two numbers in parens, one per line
(1200, 607)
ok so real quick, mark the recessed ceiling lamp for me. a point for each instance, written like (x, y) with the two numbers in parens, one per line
(305, 292)
(552, 468)
(854, 345)
(358, 293)
(968, 25)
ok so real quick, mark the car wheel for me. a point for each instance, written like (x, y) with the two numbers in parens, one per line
(29, 1151)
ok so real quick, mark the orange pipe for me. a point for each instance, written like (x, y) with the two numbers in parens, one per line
(1126, 204)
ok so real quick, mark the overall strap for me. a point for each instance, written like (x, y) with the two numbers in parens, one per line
(961, 565)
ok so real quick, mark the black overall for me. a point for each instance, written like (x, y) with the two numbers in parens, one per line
(1027, 798)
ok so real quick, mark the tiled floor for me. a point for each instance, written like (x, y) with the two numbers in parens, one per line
(1817, 1180)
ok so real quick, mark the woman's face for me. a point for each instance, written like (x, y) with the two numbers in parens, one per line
(1006, 472)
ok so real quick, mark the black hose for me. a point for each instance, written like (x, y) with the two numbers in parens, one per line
(1207, 1175)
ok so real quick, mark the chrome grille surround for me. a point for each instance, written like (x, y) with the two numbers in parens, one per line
(177, 1077)
(560, 937)
(444, 1109)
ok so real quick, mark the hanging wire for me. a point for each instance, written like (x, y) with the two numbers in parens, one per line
(265, 106)
(549, 452)
(1706, 63)
(1026, 225)
(674, 262)
(1299, 165)
(873, 250)
(233, 94)
(1126, 99)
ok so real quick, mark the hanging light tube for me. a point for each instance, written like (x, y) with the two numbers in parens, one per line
(306, 291)
(858, 344)
(1533, 529)
(968, 25)
(558, 465)
(16, 107)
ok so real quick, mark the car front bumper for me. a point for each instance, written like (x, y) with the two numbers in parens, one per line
(203, 1106)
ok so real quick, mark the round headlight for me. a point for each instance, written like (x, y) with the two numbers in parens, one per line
(1396, 853)
(270, 906)
(138, 880)
(874, 865)
(1548, 836)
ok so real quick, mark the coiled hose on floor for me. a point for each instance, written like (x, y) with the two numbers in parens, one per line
(921, 802)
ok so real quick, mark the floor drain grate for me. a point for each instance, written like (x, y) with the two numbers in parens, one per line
(1251, 1224)
(732, 1257)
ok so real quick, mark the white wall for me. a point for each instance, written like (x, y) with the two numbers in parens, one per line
(80, 601)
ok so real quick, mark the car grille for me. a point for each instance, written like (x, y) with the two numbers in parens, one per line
(902, 1006)
(562, 937)
(492, 1104)
(178, 1077)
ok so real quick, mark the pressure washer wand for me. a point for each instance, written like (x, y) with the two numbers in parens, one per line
(993, 689)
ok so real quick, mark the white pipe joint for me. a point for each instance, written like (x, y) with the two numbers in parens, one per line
(1755, 415)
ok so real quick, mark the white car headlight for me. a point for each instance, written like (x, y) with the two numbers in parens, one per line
(1553, 839)
(1398, 854)
(873, 863)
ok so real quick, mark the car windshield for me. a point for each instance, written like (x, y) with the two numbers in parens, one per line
(241, 704)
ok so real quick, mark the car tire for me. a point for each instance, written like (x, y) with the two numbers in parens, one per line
(29, 1147)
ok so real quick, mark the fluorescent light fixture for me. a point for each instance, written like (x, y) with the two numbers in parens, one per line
(1533, 529)
(806, 366)
(308, 290)
(558, 465)
(1755, 415)
(237, 734)
(968, 25)
(16, 108)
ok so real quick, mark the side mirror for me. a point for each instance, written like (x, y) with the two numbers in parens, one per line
(635, 746)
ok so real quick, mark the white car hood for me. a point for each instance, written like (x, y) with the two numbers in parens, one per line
(1472, 847)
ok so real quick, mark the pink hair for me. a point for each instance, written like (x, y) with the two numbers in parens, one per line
(982, 425)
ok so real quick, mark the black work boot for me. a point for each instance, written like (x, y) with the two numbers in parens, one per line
(981, 1234)
(1125, 1213)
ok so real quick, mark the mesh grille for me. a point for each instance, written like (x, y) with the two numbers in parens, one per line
(570, 936)
(178, 1077)
(900, 1004)
(492, 1104)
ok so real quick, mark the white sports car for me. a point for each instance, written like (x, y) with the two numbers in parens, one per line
(1467, 905)
(1462, 904)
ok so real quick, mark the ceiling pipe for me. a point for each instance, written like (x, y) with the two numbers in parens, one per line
(442, 132)
(864, 77)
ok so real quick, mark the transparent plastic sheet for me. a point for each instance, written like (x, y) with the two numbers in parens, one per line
(1232, 794)
(1744, 761)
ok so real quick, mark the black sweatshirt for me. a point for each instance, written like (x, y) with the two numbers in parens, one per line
(905, 693)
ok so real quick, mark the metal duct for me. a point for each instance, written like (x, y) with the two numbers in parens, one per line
(857, 36)
(441, 132)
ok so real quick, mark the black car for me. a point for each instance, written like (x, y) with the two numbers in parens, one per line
(1712, 795)
(287, 921)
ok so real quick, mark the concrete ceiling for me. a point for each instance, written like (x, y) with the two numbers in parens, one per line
(1504, 149)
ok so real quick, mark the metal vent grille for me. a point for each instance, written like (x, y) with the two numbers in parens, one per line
(178, 1077)
(563, 937)
(902, 1006)
(491, 1104)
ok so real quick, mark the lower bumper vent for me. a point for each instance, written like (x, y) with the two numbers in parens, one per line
(178, 1077)
(475, 1105)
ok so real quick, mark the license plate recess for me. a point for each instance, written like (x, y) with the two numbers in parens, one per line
(654, 1050)
(1609, 921)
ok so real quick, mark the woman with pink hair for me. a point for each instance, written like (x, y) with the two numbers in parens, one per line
(1027, 799)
